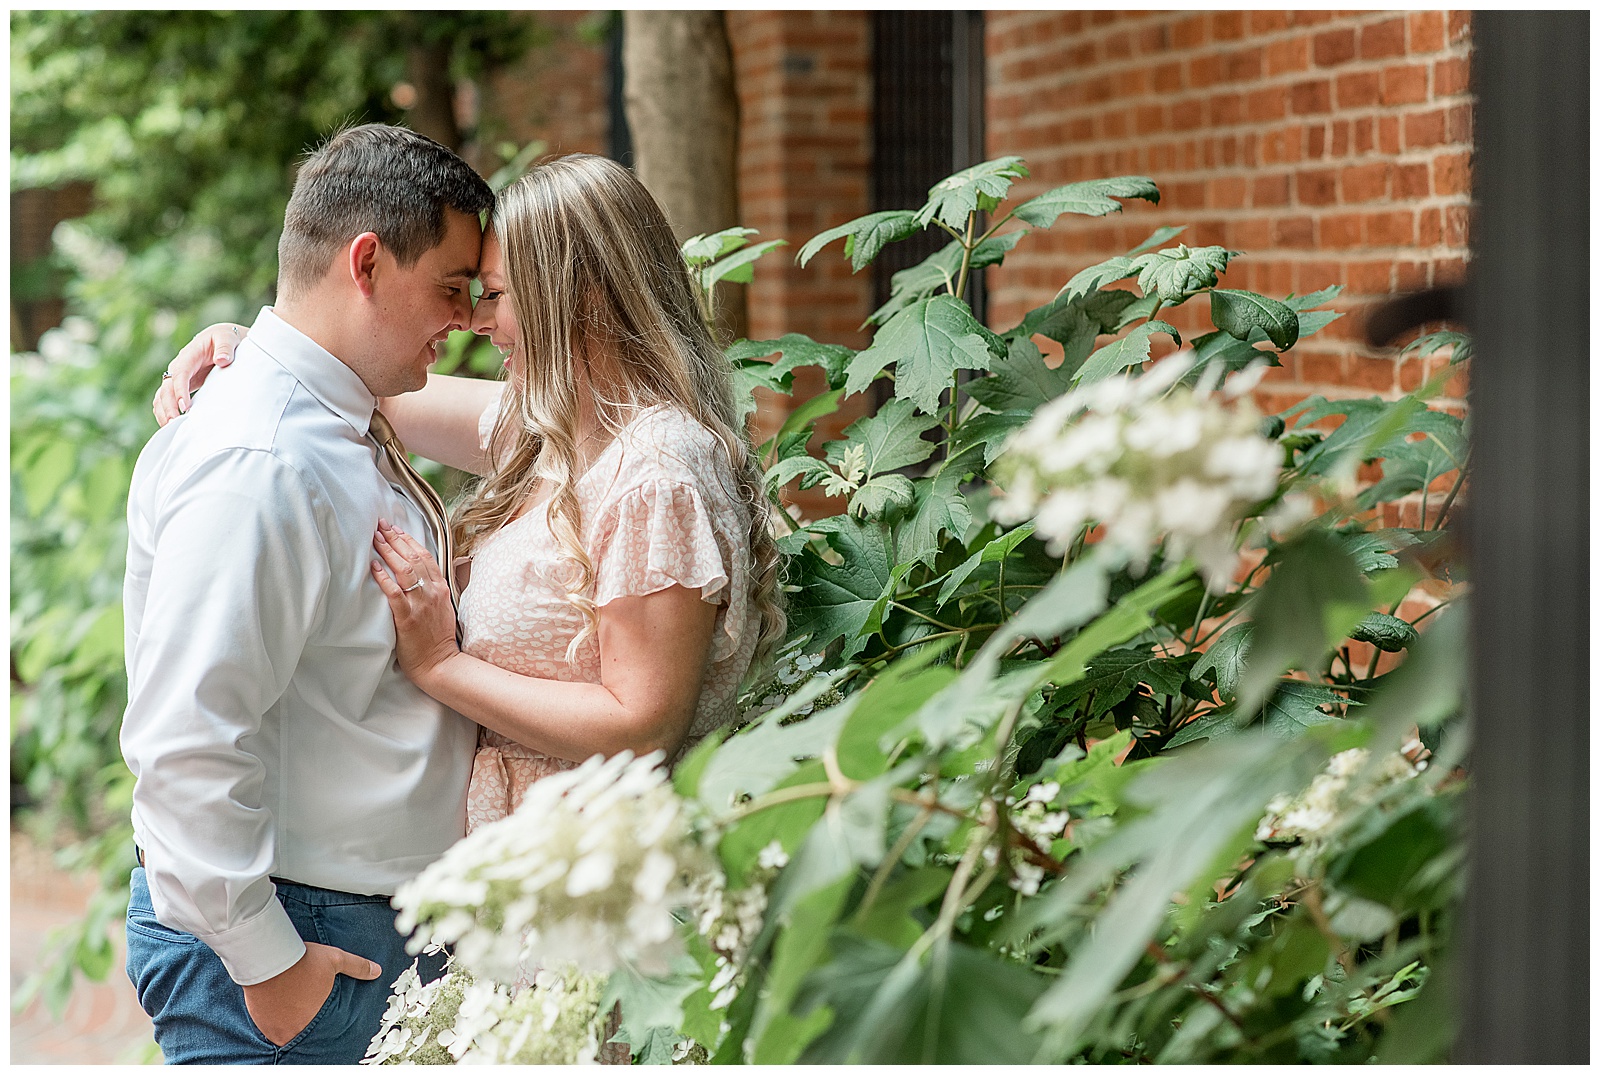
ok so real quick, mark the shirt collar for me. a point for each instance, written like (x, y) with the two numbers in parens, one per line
(334, 384)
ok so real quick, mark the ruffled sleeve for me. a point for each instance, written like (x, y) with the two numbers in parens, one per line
(663, 532)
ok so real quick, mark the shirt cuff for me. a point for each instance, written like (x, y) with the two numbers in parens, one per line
(258, 948)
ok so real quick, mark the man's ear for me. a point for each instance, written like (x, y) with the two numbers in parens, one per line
(362, 261)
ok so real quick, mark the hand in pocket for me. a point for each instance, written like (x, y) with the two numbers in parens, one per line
(283, 1006)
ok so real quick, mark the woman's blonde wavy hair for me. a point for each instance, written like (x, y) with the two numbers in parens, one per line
(592, 268)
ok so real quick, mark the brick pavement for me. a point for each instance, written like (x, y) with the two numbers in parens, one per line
(103, 1023)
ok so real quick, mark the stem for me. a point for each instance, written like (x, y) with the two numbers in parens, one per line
(1003, 587)
(994, 228)
(1199, 618)
(1450, 498)
(1165, 960)
(924, 616)
(967, 246)
(881, 877)
(781, 796)
(1311, 900)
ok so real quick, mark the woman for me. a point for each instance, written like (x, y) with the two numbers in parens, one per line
(623, 577)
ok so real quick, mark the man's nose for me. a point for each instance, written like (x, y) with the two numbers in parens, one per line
(461, 310)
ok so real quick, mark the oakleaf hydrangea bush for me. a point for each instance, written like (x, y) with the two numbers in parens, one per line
(1083, 636)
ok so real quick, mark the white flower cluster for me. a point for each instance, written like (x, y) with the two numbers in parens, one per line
(1316, 810)
(417, 1016)
(1144, 457)
(790, 671)
(730, 921)
(586, 872)
(459, 1020)
(1040, 824)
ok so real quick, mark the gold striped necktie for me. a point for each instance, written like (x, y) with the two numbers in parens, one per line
(421, 494)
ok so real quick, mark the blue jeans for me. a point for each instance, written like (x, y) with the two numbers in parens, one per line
(199, 1011)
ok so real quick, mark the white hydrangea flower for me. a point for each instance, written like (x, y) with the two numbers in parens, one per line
(1147, 460)
(586, 872)
(1330, 797)
(458, 1020)
(791, 669)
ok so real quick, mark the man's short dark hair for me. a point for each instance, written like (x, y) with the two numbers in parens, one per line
(387, 180)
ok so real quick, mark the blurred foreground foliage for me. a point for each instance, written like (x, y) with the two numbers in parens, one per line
(188, 126)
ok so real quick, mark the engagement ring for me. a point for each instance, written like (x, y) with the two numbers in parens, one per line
(414, 586)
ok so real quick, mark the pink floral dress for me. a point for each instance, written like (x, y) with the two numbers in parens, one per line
(660, 507)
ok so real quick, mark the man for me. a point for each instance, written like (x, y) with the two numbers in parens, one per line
(288, 776)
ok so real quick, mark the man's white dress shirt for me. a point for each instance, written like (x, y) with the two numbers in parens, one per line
(268, 726)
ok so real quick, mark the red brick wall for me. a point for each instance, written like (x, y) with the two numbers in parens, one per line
(805, 82)
(560, 92)
(1329, 147)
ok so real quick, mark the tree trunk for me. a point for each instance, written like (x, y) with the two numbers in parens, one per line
(683, 115)
(434, 113)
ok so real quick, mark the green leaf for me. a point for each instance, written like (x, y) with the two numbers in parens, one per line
(821, 404)
(961, 1005)
(1411, 466)
(1219, 348)
(704, 248)
(835, 601)
(650, 1002)
(1095, 277)
(762, 756)
(892, 437)
(797, 350)
(939, 508)
(810, 471)
(865, 236)
(1384, 631)
(1225, 658)
(1242, 313)
(1373, 550)
(997, 549)
(737, 268)
(886, 496)
(1295, 705)
(1459, 343)
(1090, 198)
(1157, 238)
(889, 918)
(1172, 274)
(1369, 424)
(1314, 596)
(927, 342)
(940, 269)
(656, 1048)
(1117, 673)
(896, 692)
(1120, 354)
(979, 188)
(991, 431)
(1021, 381)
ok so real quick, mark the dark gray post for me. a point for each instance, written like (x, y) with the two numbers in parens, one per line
(1524, 966)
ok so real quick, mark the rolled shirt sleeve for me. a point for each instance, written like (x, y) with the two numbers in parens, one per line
(230, 583)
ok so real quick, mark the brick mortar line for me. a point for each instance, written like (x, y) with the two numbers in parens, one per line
(1169, 101)
(1117, 66)
(1101, 33)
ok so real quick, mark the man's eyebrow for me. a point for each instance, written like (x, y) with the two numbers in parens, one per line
(469, 273)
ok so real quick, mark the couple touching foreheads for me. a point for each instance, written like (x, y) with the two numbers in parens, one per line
(318, 707)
